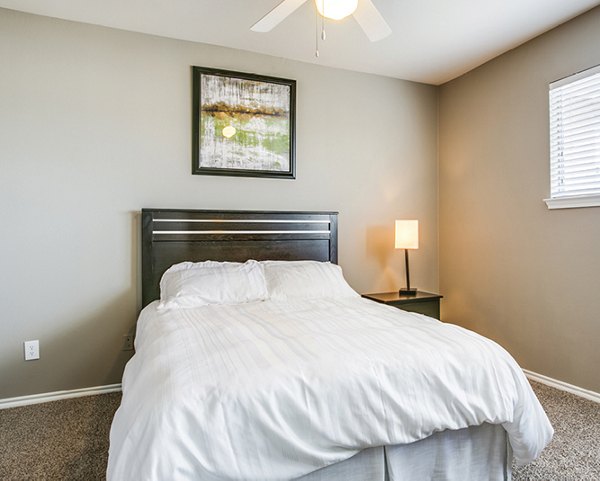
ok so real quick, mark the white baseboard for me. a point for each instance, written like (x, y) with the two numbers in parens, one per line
(14, 402)
(91, 391)
(563, 386)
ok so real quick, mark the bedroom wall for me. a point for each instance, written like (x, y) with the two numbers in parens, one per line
(510, 268)
(95, 124)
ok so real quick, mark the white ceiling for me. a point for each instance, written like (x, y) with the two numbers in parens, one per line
(432, 41)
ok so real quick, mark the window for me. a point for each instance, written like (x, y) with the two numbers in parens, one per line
(575, 141)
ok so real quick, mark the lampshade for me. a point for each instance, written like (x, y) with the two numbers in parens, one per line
(229, 131)
(336, 9)
(407, 234)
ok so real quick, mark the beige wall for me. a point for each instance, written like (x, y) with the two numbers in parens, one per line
(95, 125)
(510, 268)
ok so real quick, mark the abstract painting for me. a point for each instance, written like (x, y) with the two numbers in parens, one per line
(243, 124)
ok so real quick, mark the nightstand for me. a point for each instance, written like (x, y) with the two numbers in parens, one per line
(423, 302)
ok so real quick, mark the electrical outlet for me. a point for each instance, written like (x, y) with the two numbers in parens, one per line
(127, 342)
(32, 350)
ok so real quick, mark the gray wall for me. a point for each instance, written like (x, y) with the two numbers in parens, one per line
(510, 268)
(95, 125)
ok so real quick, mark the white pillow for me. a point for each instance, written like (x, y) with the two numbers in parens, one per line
(288, 280)
(189, 284)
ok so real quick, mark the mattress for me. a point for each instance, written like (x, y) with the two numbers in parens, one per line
(277, 390)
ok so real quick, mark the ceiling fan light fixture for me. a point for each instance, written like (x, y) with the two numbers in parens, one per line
(336, 9)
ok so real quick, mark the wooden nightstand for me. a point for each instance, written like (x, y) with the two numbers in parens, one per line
(423, 302)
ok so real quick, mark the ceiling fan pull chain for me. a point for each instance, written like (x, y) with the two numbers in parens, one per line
(323, 35)
(316, 35)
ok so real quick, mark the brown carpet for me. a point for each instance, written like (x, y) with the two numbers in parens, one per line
(68, 440)
(63, 440)
(574, 453)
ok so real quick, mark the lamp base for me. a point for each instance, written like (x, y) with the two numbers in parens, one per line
(412, 291)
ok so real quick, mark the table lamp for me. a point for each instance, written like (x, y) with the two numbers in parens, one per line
(407, 237)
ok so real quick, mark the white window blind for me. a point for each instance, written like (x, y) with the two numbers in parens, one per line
(575, 140)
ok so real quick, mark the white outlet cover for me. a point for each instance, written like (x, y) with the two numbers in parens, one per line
(32, 350)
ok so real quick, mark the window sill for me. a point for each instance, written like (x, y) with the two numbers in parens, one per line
(573, 202)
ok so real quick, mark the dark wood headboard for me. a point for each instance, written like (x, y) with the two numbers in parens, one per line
(170, 236)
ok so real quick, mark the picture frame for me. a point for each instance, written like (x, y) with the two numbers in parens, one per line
(243, 124)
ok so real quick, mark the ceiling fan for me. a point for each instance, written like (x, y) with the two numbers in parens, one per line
(363, 11)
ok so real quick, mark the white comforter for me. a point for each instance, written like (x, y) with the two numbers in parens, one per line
(269, 391)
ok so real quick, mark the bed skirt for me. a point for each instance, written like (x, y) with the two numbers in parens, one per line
(479, 452)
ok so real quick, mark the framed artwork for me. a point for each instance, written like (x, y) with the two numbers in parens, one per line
(243, 124)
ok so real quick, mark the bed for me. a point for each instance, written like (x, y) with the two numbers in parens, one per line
(322, 387)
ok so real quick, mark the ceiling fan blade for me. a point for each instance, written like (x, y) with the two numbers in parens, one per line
(371, 21)
(277, 15)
